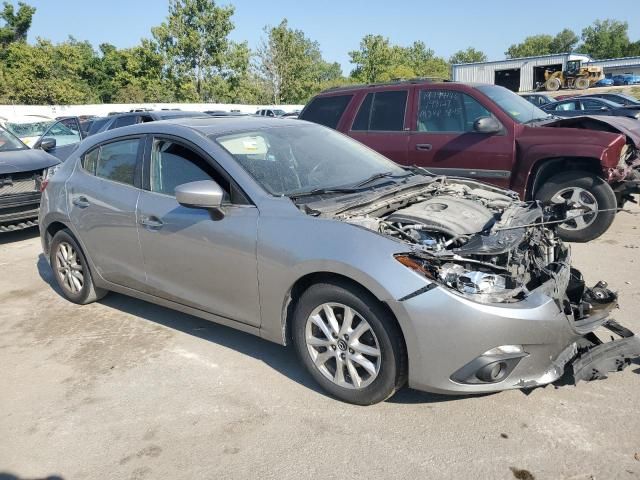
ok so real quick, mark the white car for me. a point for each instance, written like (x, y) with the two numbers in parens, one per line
(34, 129)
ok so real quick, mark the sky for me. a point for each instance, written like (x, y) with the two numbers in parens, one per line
(339, 26)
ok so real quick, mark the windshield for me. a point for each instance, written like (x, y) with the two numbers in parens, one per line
(293, 159)
(9, 143)
(521, 110)
(31, 129)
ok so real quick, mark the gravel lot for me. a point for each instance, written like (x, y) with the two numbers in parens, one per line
(128, 390)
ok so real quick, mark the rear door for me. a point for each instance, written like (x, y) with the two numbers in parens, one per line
(190, 257)
(102, 193)
(382, 123)
(592, 106)
(443, 139)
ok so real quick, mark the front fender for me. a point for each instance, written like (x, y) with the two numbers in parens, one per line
(311, 245)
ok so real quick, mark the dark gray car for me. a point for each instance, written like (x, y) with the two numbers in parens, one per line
(379, 275)
(22, 173)
(577, 106)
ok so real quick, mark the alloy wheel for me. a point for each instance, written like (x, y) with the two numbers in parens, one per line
(343, 346)
(69, 268)
(582, 207)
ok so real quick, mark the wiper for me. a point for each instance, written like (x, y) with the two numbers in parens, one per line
(377, 176)
(321, 191)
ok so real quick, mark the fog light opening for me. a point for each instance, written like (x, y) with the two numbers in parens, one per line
(493, 372)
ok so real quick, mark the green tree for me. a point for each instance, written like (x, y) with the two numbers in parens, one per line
(530, 47)
(606, 39)
(564, 42)
(470, 55)
(379, 61)
(194, 39)
(291, 64)
(16, 24)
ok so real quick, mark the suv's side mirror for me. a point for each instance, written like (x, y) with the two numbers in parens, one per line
(205, 194)
(47, 144)
(487, 125)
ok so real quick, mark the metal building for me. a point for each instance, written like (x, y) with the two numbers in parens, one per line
(517, 74)
(619, 66)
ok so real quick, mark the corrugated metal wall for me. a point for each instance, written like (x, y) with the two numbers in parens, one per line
(485, 72)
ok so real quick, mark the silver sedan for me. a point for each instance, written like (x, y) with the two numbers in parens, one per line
(379, 275)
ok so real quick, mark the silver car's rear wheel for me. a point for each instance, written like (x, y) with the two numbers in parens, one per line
(68, 268)
(71, 269)
(343, 346)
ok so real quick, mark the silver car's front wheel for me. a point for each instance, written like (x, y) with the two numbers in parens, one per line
(349, 342)
(343, 346)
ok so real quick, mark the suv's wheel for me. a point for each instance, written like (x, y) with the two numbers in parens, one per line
(348, 343)
(71, 270)
(586, 196)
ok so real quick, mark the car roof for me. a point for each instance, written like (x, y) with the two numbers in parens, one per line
(208, 125)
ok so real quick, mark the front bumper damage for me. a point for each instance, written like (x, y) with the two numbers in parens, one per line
(545, 338)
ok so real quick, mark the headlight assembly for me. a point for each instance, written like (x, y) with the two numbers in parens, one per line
(479, 286)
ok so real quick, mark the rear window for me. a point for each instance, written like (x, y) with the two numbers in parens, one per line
(114, 161)
(125, 121)
(382, 111)
(326, 111)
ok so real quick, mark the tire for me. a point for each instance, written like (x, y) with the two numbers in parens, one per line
(582, 83)
(552, 85)
(583, 189)
(71, 270)
(385, 374)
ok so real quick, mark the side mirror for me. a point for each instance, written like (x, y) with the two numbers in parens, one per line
(487, 125)
(47, 144)
(205, 194)
(603, 109)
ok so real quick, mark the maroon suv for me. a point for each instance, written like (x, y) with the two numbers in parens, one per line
(590, 164)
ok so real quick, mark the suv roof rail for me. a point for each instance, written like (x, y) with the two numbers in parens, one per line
(399, 81)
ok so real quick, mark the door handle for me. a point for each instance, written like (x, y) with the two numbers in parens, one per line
(80, 202)
(424, 147)
(152, 222)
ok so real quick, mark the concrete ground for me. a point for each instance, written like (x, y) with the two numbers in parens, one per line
(124, 389)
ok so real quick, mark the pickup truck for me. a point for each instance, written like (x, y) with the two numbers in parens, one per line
(588, 164)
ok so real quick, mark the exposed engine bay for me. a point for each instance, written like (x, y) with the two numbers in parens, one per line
(475, 238)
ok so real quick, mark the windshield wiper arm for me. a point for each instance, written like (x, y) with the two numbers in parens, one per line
(320, 191)
(377, 176)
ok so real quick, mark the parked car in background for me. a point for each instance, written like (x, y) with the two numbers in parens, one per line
(23, 172)
(118, 120)
(605, 82)
(224, 113)
(621, 98)
(294, 114)
(379, 275)
(577, 106)
(538, 99)
(58, 137)
(626, 79)
(489, 133)
(270, 112)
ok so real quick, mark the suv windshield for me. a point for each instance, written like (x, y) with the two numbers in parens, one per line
(290, 160)
(9, 143)
(521, 110)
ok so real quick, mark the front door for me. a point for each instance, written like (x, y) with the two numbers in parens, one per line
(102, 193)
(191, 256)
(444, 142)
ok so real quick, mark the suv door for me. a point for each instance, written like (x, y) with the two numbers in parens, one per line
(380, 123)
(102, 193)
(190, 257)
(443, 139)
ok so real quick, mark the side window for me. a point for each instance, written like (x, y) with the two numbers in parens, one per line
(448, 111)
(90, 160)
(592, 105)
(382, 111)
(567, 106)
(173, 164)
(125, 121)
(65, 132)
(326, 111)
(117, 161)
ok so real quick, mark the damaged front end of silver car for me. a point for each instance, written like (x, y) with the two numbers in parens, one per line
(484, 244)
